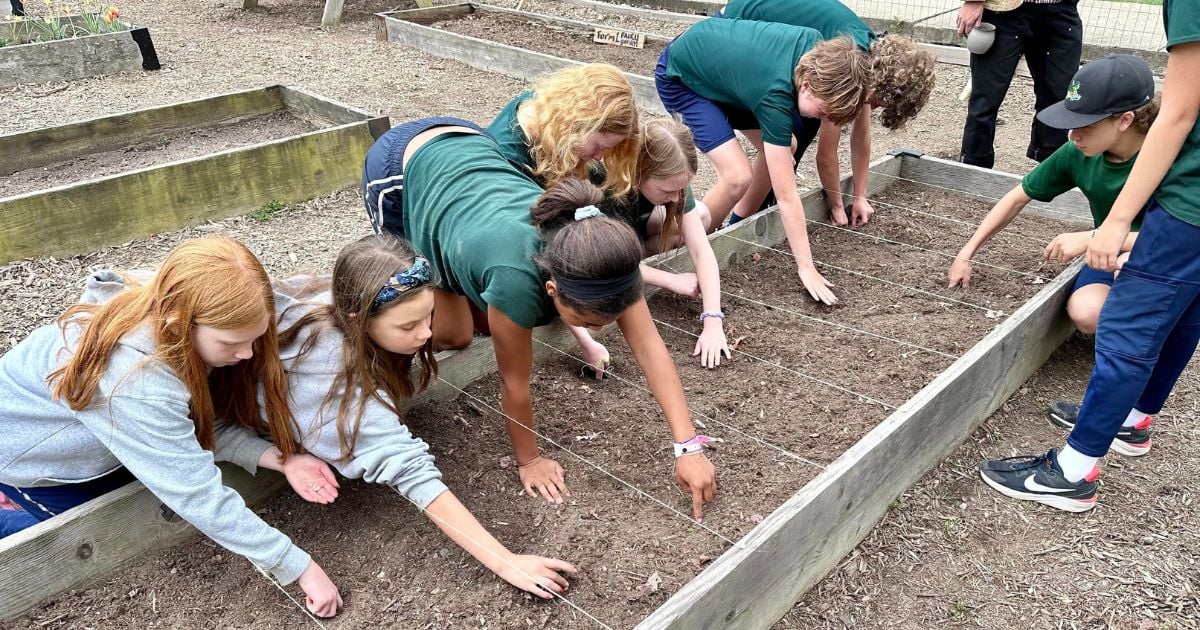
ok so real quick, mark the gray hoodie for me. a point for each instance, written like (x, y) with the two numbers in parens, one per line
(385, 451)
(138, 419)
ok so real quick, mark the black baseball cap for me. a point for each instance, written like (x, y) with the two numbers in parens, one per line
(1112, 85)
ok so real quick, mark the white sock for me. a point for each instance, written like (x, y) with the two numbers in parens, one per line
(1134, 417)
(1075, 465)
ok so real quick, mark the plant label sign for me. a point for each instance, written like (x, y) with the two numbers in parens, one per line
(614, 37)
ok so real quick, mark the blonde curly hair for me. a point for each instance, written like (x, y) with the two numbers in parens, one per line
(902, 78)
(572, 104)
(839, 73)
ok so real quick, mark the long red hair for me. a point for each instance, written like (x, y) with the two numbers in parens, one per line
(213, 282)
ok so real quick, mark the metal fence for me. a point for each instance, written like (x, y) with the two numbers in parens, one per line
(1106, 23)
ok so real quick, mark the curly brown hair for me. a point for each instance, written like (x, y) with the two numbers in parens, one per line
(902, 78)
(1144, 116)
(838, 73)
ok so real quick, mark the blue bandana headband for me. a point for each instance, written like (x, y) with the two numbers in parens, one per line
(419, 274)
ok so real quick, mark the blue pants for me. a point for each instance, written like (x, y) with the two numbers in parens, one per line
(42, 503)
(383, 171)
(1147, 333)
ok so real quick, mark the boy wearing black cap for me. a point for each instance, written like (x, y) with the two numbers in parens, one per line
(1151, 321)
(1109, 108)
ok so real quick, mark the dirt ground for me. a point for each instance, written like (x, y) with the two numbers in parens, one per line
(622, 540)
(949, 552)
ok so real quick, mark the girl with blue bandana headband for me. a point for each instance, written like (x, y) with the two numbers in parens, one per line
(349, 353)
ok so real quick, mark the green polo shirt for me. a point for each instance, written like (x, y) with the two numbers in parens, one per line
(1099, 179)
(747, 65)
(830, 18)
(514, 144)
(466, 209)
(635, 210)
(1179, 192)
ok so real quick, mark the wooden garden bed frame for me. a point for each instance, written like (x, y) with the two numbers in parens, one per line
(75, 57)
(749, 586)
(409, 29)
(83, 216)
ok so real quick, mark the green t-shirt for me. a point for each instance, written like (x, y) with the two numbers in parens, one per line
(829, 17)
(514, 144)
(1097, 178)
(1179, 192)
(466, 209)
(752, 72)
(636, 210)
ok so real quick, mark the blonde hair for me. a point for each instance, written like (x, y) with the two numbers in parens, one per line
(572, 104)
(902, 78)
(667, 150)
(213, 282)
(362, 268)
(839, 73)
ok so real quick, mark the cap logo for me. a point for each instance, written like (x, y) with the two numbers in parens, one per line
(1073, 92)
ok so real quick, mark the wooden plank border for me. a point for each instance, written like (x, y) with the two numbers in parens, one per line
(78, 57)
(409, 28)
(86, 215)
(755, 584)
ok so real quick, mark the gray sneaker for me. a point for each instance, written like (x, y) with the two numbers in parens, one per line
(1130, 441)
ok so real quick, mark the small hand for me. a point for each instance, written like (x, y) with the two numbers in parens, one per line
(837, 212)
(969, 16)
(816, 284)
(596, 356)
(861, 211)
(323, 598)
(696, 476)
(685, 284)
(311, 478)
(537, 575)
(1068, 245)
(1105, 246)
(544, 476)
(712, 344)
(960, 274)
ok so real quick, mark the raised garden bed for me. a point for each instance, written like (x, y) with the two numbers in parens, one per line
(105, 181)
(500, 40)
(806, 470)
(23, 61)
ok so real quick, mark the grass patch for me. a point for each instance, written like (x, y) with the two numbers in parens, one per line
(268, 210)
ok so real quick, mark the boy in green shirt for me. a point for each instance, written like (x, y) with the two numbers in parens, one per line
(1151, 321)
(765, 79)
(1108, 110)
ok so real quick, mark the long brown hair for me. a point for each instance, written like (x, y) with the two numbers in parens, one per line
(362, 268)
(667, 150)
(213, 282)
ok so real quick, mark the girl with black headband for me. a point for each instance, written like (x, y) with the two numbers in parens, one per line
(504, 272)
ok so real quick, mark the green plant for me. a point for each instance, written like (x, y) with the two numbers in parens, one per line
(267, 211)
(95, 23)
(959, 610)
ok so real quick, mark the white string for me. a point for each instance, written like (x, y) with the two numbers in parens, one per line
(793, 371)
(594, 465)
(919, 248)
(302, 607)
(827, 322)
(1008, 231)
(870, 277)
(753, 437)
(1069, 215)
(460, 532)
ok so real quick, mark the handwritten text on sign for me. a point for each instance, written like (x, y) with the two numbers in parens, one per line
(628, 39)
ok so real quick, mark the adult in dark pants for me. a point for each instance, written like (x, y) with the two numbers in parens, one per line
(17, 7)
(1050, 35)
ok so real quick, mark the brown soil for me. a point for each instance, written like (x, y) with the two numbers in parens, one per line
(397, 571)
(553, 40)
(159, 149)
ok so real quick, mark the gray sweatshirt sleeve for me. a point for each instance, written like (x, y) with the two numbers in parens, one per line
(385, 451)
(239, 445)
(145, 425)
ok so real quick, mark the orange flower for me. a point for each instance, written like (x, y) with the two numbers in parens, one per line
(111, 14)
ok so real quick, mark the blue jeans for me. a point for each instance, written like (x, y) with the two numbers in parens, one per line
(1148, 330)
(42, 503)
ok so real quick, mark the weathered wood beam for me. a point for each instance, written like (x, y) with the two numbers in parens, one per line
(78, 57)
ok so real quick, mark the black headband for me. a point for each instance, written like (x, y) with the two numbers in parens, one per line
(586, 289)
